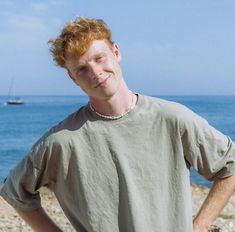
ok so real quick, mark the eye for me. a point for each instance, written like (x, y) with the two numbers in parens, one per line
(81, 69)
(99, 59)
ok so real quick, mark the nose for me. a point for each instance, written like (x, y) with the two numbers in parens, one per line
(95, 71)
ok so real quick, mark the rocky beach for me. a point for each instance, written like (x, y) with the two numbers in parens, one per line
(10, 221)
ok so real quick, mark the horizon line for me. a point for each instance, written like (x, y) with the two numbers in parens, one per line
(153, 95)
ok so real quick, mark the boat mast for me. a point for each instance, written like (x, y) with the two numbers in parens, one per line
(10, 91)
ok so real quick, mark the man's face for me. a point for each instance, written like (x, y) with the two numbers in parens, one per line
(97, 72)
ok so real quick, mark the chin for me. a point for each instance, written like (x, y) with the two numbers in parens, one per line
(104, 96)
(105, 93)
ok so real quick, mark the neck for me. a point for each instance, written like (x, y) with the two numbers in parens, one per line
(117, 104)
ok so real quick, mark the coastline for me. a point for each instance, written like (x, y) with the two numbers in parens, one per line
(10, 221)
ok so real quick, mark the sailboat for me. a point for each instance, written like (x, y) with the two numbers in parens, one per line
(15, 101)
(12, 100)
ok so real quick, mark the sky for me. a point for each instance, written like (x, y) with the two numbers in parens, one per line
(168, 47)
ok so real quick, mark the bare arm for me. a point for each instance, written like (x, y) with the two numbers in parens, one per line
(217, 198)
(38, 220)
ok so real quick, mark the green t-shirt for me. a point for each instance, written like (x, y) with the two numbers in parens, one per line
(130, 174)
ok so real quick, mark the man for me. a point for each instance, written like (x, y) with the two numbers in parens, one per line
(120, 163)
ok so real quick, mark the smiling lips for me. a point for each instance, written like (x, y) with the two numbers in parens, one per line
(102, 83)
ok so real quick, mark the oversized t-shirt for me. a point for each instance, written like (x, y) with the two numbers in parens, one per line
(128, 175)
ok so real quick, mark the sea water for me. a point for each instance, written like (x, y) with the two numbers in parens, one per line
(22, 125)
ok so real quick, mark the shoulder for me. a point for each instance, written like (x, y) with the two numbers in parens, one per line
(62, 133)
(172, 112)
(166, 108)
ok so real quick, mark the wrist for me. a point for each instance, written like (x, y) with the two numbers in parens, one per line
(200, 227)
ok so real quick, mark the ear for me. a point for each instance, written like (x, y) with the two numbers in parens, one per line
(71, 77)
(117, 52)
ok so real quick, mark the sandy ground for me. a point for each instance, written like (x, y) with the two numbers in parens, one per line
(10, 221)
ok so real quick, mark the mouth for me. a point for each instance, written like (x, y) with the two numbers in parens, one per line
(102, 83)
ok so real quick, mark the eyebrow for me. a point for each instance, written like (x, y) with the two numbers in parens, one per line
(99, 54)
(102, 53)
(79, 67)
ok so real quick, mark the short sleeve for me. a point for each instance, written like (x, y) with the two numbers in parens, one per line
(21, 187)
(208, 150)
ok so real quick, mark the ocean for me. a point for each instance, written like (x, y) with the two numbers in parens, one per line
(22, 125)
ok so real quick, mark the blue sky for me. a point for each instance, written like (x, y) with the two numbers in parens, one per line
(169, 47)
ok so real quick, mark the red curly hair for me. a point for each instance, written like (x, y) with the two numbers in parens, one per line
(76, 37)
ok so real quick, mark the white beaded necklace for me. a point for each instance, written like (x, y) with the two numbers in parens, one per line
(113, 117)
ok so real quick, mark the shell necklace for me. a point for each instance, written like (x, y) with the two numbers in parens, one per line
(114, 117)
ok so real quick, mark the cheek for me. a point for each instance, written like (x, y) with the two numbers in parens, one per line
(75, 80)
(112, 66)
(83, 82)
(83, 86)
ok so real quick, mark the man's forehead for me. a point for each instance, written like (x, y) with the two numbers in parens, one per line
(97, 47)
